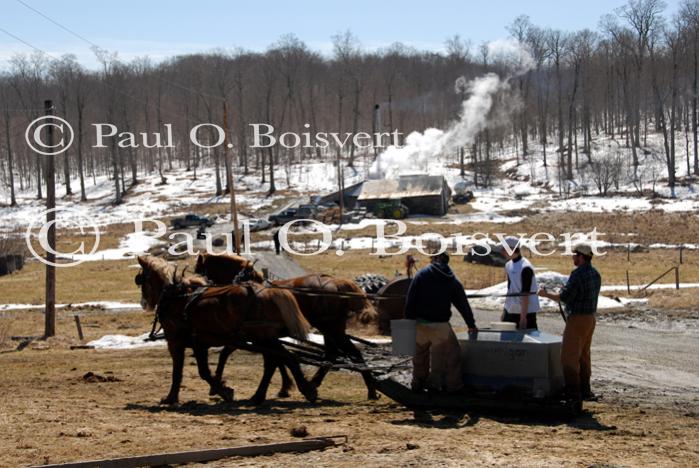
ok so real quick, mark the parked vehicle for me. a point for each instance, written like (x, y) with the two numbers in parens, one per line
(461, 198)
(393, 209)
(191, 220)
(283, 217)
(257, 224)
(290, 214)
(306, 212)
(479, 254)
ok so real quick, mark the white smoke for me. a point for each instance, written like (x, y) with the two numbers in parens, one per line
(473, 117)
(512, 54)
(422, 149)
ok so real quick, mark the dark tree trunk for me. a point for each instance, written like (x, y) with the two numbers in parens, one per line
(10, 166)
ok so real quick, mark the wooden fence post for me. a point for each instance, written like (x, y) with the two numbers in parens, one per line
(79, 327)
(49, 167)
(628, 283)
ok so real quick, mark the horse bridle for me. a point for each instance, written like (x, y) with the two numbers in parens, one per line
(140, 280)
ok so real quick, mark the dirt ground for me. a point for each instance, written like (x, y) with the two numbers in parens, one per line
(52, 412)
(644, 367)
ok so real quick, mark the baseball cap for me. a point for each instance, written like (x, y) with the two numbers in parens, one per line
(583, 249)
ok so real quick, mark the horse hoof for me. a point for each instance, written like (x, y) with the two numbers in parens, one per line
(227, 394)
(373, 396)
(283, 394)
(257, 400)
(170, 401)
(311, 395)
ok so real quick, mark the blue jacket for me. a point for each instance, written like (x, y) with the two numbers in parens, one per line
(432, 292)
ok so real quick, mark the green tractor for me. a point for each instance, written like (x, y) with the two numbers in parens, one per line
(393, 209)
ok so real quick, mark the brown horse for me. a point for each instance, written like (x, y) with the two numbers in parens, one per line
(227, 316)
(327, 302)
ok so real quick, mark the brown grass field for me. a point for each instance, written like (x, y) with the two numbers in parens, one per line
(112, 280)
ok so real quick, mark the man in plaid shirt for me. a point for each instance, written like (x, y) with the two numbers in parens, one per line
(580, 296)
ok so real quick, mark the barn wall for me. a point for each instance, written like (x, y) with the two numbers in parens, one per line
(431, 205)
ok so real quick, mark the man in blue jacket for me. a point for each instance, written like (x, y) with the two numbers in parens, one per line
(437, 363)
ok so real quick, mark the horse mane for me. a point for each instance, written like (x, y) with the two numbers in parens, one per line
(165, 270)
(233, 258)
(362, 308)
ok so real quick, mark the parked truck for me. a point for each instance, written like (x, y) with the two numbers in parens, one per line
(191, 220)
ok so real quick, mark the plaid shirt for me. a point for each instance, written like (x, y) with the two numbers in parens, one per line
(581, 292)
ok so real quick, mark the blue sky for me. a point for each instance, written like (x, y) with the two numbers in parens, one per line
(160, 29)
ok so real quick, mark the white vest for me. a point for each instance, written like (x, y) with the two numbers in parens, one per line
(513, 304)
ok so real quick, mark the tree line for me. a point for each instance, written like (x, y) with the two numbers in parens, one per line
(635, 73)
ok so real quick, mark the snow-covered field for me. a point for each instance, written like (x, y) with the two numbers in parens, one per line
(519, 190)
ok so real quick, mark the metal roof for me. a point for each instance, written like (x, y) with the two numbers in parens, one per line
(407, 186)
(349, 191)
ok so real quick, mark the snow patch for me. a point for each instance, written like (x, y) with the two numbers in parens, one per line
(126, 342)
(106, 305)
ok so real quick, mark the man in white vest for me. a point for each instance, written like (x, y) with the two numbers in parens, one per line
(521, 307)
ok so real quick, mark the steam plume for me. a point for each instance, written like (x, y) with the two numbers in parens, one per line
(423, 148)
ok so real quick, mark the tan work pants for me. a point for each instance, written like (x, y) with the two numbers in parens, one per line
(575, 353)
(437, 360)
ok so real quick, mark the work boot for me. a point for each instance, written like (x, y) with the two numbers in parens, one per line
(417, 387)
(569, 395)
(572, 401)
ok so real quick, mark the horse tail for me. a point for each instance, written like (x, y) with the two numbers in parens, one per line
(360, 306)
(295, 322)
(199, 267)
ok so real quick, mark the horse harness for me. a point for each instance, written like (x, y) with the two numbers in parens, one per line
(252, 306)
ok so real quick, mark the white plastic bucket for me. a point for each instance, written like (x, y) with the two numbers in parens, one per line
(403, 337)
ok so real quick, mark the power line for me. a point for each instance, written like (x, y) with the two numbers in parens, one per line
(68, 30)
(23, 41)
(95, 46)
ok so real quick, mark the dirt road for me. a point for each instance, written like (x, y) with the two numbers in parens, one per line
(51, 411)
(639, 356)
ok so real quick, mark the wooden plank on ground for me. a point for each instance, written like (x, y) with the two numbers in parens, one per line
(199, 456)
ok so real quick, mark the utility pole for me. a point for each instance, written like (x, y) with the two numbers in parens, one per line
(231, 188)
(376, 127)
(340, 185)
(49, 170)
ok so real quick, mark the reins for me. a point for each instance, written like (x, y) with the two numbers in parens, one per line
(376, 297)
